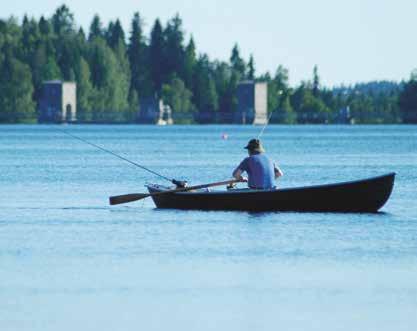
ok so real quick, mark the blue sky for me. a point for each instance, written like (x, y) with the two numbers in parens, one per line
(350, 41)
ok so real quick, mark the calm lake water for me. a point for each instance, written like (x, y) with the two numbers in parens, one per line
(69, 261)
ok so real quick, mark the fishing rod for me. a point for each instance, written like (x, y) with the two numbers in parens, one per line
(174, 181)
(264, 127)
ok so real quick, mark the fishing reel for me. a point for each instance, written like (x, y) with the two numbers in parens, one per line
(180, 183)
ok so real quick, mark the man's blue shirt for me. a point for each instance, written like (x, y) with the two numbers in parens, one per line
(260, 170)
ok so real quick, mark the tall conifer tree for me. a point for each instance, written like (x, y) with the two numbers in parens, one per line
(237, 63)
(174, 48)
(137, 54)
(189, 63)
(96, 28)
(156, 57)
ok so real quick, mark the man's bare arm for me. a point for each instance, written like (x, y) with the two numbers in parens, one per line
(238, 175)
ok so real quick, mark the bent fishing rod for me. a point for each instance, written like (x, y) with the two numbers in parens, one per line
(173, 181)
(264, 127)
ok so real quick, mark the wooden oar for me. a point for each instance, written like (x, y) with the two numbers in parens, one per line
(119, 199)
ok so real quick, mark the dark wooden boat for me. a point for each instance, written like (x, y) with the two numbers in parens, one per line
(361, 196)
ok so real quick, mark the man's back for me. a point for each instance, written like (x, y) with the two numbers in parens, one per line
(260, 170)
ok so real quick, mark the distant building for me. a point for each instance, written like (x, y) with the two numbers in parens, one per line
(154, 111)
(252, 103)
(58, 102)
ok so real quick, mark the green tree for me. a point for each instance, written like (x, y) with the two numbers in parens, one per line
(116, 41)
(279, 97)
(316, 82)
(237, 63)
(10, 34)
(189, 63)
(251, 68)
(81, 36)
(137, 54)
(174, 49)
(50, 71)
(84, 91)
(362, 108)
(16, 104)
(109, 82)
(222, 74)
(286, 112)
(134, 107)
(68, 53)
(156, 57)
(63, 21)
(205, 94)
(408, 100)
(310, 108)
(115, 34)
(96, 29)
(178, 97)
(45, 27)
(29, 39)
(229, 99)
(281, 78)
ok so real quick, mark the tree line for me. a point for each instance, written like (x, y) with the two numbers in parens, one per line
(115, 71)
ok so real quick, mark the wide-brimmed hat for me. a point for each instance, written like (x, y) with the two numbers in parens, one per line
(254, 145)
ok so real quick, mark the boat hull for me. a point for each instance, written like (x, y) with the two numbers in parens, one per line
(362, 196)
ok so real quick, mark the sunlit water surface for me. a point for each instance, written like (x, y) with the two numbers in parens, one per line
(69, 261)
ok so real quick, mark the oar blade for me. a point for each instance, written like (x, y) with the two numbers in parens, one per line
(119, 199)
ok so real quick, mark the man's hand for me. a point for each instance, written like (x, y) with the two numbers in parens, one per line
(278, 172)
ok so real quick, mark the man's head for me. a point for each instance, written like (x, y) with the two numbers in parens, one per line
(254, 146)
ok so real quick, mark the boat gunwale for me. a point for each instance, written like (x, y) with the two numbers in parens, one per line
(286, 189)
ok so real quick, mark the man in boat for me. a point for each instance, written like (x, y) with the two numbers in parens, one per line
(262, 173)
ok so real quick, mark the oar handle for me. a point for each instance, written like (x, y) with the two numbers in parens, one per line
(116, 200)
(196, 187)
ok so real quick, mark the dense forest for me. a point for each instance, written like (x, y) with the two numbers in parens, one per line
(115, 70)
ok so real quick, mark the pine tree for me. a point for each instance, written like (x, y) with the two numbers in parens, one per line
(281, 78)
(29, 39)
(237, 63)
(251, 68)
(316, 82)
(222, 74)
(96, 29)
(205, 95)
(45, 27)
(156, 57)
(137, 54)
(189, 63)
(115, 35)
(408, 100)
(174, 49)
(63, 21)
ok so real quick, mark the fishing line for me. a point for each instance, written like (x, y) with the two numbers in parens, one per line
(114, 154)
